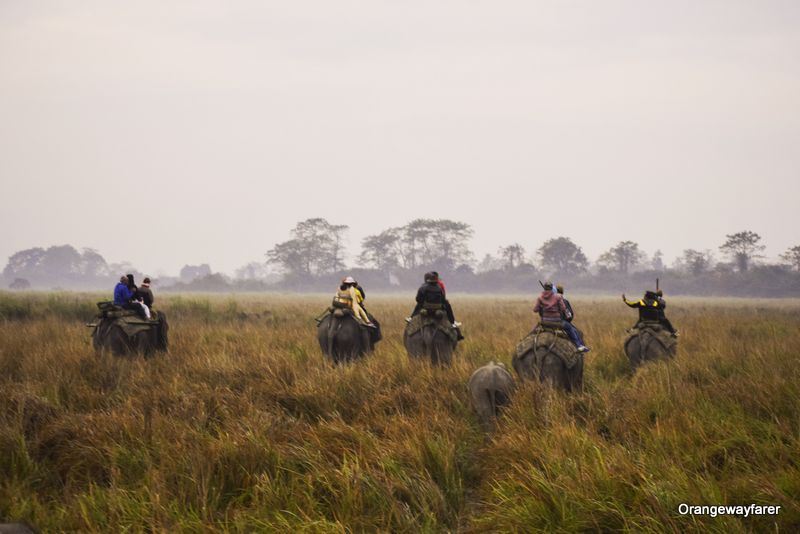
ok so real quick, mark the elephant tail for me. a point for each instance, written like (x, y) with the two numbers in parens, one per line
(427, 339)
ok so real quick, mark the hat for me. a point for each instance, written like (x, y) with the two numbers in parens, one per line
(146, 280)
(432, 276)
(348, 280)
(548, 285)
(659, 292)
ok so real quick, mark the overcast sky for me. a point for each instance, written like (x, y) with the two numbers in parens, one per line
(167, 133)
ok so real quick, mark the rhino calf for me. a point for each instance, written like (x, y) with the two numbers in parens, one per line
(491, 387)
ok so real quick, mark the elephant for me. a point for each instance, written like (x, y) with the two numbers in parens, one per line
(548, 355)
(125, 333)
(342, 338)
(648, 341)
(491, 387)
(431, 336)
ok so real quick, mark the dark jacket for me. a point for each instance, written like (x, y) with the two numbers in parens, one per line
(432, 294)
(146, 295)
(569, 315)
(649, 309)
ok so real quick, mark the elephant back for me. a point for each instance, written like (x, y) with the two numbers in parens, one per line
(649, 340)
(112, 319)
(544, 340)
(435, 319)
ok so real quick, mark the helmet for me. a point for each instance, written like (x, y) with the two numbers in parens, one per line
(659, 292)
(548, 285)
(348, 280)
(432, 276)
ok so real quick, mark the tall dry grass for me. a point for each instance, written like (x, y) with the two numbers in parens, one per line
(242, 427)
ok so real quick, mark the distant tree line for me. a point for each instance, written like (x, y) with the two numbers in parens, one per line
(314, 258)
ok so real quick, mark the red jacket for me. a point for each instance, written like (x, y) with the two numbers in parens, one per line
(441, 284)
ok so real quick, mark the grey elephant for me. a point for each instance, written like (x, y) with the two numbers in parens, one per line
(124, 332)
(432, 336)
(490, 387)
(342, 338)
(649, 340)
(548, 355)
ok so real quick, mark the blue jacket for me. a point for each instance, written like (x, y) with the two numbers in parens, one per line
(122, 294)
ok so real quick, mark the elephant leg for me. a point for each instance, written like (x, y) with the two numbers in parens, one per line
(576, 376)
(444, 350)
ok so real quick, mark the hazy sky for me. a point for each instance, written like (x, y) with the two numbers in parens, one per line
(167, 132)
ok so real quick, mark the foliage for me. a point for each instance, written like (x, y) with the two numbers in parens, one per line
(621, 258)
(512, 255)
(316, 247)
(695, 262)
(792, 257)
(242, 427)
(742, 248)
(436, 243)
(57, 266)
(562, 256)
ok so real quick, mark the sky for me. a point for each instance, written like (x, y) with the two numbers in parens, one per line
(170, 133)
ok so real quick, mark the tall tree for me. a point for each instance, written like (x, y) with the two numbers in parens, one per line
(382, 251)
(57, 265)
(428, 242)
(658, 261)
(792, 257)
(513, 255)
(622, 258)
(563, 256)
(316, 247)
(742, 248)
(695, 261)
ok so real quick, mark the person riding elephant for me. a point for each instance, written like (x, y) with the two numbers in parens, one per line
(551, 307)
(124, 297)
(349, 295)
(569, 315)
(145, 293)
(432, 294)
(651, 309)
(662, 316)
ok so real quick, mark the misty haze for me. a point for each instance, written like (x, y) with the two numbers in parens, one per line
(363, 266)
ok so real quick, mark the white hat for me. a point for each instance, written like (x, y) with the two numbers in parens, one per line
(349, 280)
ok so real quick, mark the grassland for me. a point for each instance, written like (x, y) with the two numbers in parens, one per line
(242, 427)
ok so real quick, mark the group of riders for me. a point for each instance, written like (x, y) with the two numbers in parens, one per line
(130, 297)
(551, 305)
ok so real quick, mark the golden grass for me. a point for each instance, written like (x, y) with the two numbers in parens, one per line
(243, 427)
